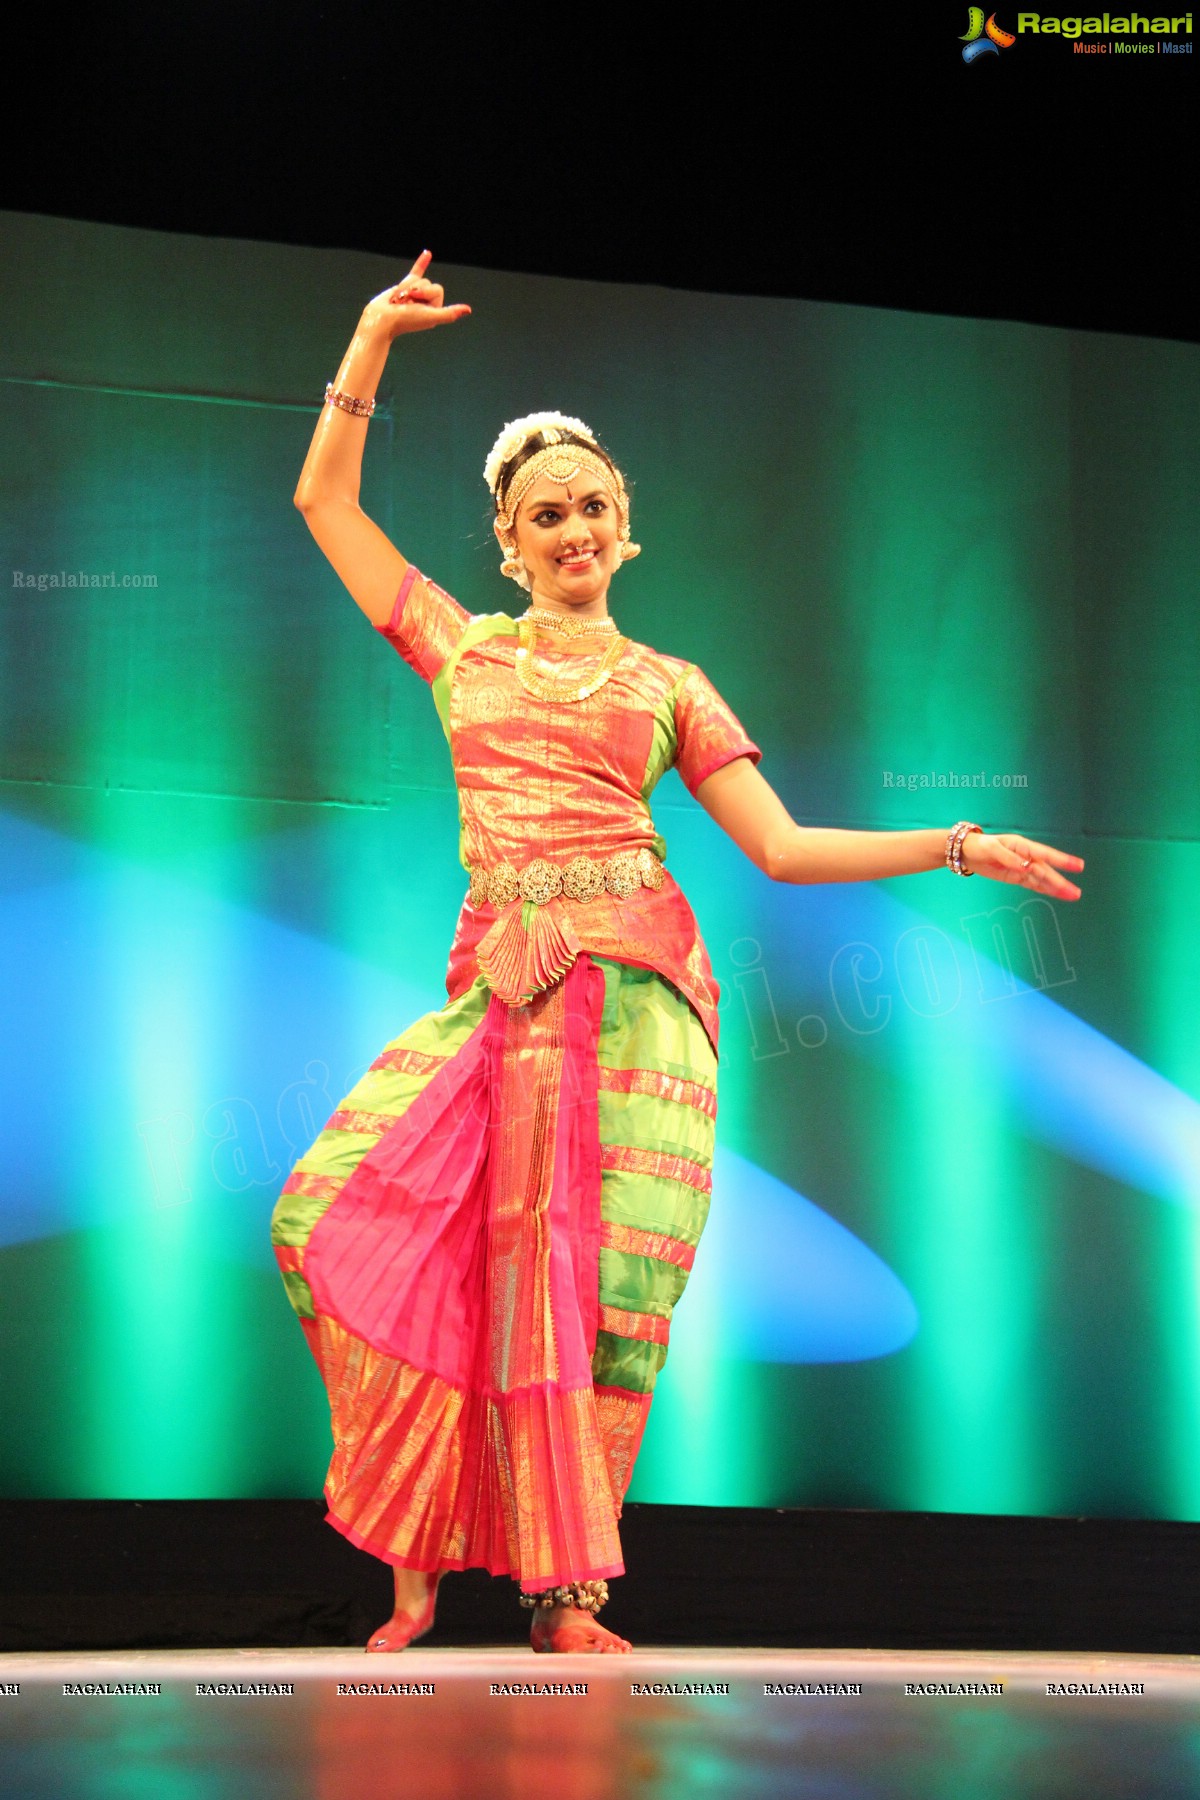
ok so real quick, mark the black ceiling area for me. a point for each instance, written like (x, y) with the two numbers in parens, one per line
(844, 155)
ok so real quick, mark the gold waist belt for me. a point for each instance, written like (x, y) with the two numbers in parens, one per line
(580, 879)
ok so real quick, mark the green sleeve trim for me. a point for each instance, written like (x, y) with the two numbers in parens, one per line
(481, 626)
(664, 747)
(664, 741)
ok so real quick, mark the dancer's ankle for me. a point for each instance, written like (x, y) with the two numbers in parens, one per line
(413, 1616)
(564, 1619)
(568, 1630)
(414, 1588)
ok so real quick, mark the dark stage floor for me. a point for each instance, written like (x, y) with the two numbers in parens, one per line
(757, 1725)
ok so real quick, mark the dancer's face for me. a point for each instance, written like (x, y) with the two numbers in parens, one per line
(568, 537)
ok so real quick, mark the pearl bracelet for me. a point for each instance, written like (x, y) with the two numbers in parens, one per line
(349, 403)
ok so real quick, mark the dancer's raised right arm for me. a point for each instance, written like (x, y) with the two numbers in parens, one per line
(327, 493)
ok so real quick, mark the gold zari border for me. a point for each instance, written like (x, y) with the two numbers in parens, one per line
(663, 1163)
(647, 1328)
(635, 1242)
(661, 1087)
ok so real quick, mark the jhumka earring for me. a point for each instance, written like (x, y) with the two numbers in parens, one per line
(513, 565)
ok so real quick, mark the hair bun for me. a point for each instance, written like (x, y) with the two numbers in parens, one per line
(516, 433)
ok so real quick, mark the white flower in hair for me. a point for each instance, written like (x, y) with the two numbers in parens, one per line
(515, 434)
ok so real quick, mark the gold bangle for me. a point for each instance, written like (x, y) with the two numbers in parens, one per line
(349, 403)
(954, 846)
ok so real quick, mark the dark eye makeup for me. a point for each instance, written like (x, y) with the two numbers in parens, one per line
(550, 514)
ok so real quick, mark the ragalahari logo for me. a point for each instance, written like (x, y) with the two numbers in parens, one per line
(982, 39)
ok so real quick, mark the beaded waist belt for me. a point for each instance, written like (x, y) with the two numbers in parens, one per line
(580, 879)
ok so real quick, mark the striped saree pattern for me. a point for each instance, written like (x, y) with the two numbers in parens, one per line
(563, 1247)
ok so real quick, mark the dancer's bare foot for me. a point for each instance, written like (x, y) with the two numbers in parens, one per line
(569, 1630)
(416, 1602)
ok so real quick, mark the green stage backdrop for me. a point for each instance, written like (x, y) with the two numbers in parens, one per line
(940, 567)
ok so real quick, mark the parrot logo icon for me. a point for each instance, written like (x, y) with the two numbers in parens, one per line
(982, 39)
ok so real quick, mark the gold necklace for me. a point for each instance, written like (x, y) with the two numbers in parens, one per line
(568, 624)
(545, 687)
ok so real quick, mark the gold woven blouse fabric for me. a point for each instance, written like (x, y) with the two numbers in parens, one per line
(558, 779)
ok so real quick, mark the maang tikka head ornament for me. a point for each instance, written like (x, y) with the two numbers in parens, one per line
(561, 459)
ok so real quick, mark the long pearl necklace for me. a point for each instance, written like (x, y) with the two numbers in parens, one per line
(548, 687)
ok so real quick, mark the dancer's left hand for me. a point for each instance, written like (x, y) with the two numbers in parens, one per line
(1023, 862)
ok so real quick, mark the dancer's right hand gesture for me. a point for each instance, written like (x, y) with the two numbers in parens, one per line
(328, 490)
(414, 304)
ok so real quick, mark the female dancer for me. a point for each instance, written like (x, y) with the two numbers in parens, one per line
(486, 1241)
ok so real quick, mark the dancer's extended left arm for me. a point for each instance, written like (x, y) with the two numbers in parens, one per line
(746, 806)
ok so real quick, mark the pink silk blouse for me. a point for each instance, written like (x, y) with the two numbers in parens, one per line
(556, 779)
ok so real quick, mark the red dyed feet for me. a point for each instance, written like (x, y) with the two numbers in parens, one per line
(569, 1631)
(404, 1627)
